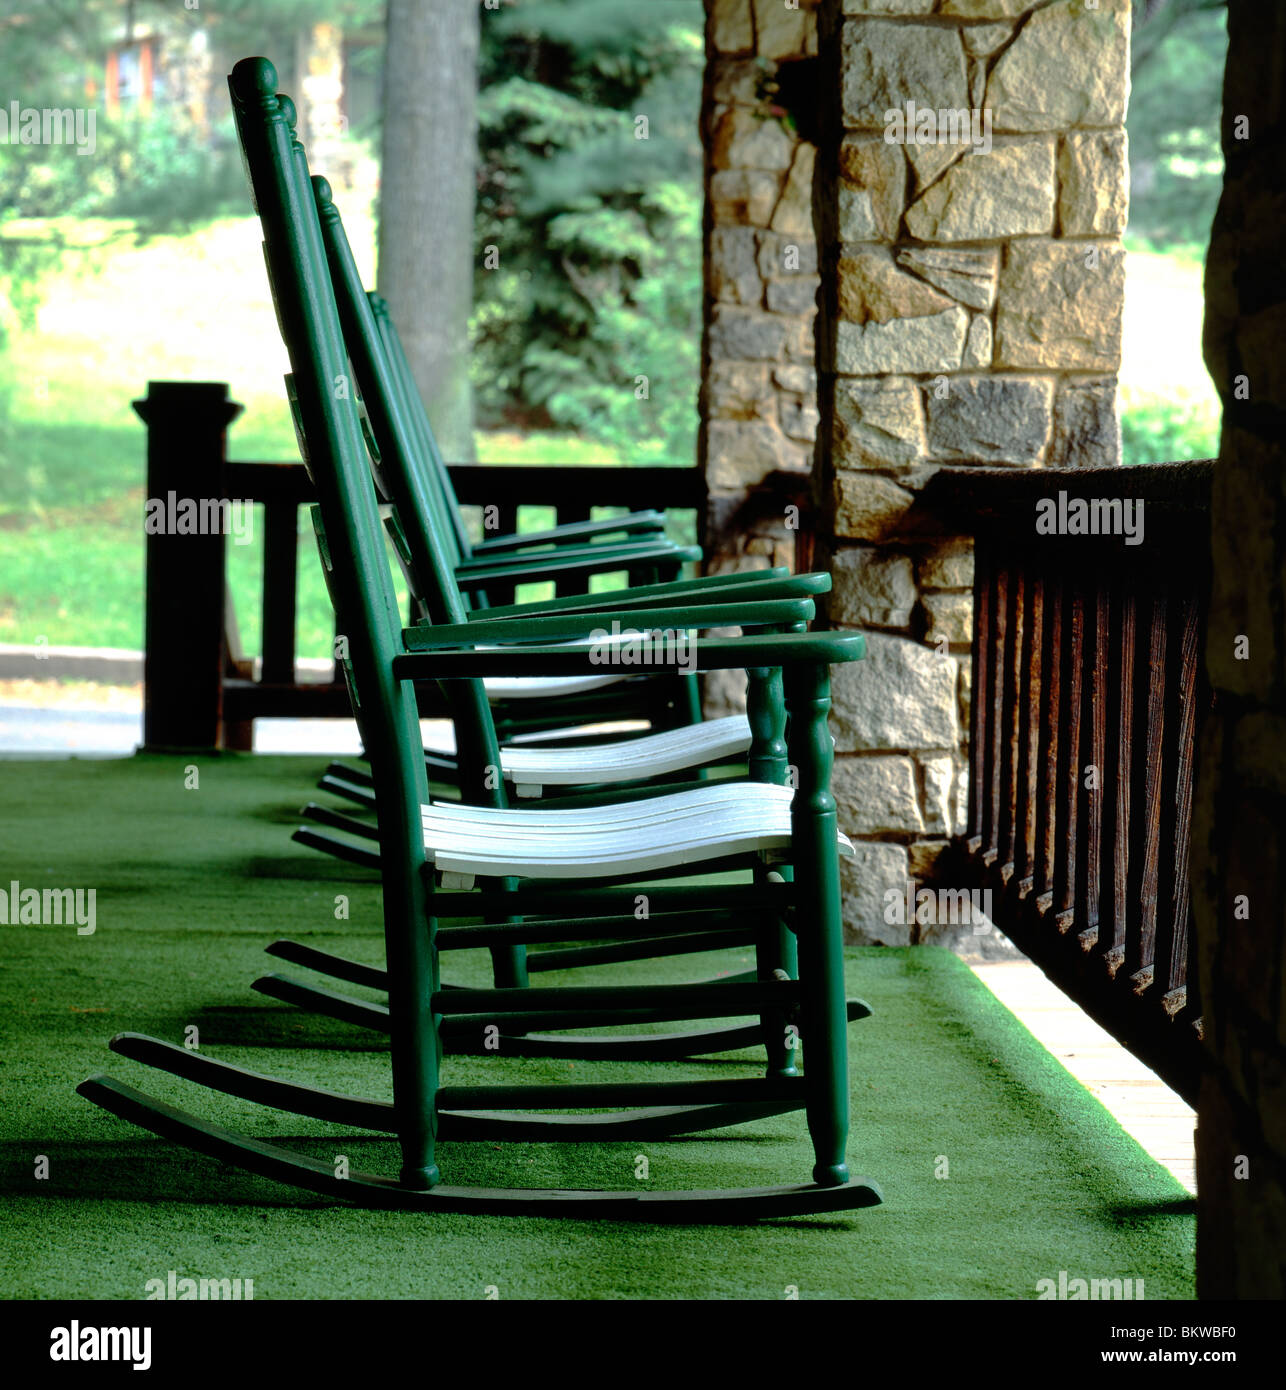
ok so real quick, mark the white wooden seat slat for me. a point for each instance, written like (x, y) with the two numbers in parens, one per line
(541, 687)
(625, 813)
(685, 828)
(651, 755)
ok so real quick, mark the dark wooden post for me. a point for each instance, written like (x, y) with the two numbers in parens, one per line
(187, 425)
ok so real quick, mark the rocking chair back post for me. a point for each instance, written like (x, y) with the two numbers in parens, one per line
(768, 762)
(423, 523)
(420, 516)
(403, 377)
(366, 602)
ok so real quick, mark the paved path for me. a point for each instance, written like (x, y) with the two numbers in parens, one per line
(61, 732)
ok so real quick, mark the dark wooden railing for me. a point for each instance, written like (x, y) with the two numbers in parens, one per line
(200, 690)
(1087, 692)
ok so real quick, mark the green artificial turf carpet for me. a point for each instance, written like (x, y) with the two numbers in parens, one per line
(998, 1169)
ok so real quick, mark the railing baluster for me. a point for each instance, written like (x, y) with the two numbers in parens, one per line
(1029, 721)
(979, 691)
(1149, 759)
(1049, 715)
(1000, 586)
(1010, 719)
(1170, 959)
(1113, 923)
(501, 593)
(1089, 858)
(280, 571)
(1070, 828)
(564, 514)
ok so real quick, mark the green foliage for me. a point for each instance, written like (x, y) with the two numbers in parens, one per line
(158, 169)
(1166, 431)
(595, 277)
(1176, 165)
(168, 177)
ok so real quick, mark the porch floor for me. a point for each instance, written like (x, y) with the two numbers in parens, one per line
(1143, 1105)
(998, 1168)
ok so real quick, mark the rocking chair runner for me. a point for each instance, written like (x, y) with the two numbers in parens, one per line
(381, 669)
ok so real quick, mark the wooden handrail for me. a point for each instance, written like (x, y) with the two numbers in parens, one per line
(1087, 693)
(199, 692)
(1087, 685)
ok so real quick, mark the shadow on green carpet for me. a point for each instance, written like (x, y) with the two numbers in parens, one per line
(998, 1168)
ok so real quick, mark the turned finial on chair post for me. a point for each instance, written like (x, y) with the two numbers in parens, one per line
(254, 80)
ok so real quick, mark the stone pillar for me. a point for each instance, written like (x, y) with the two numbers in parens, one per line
(759, 390)
(972, 287)
(1239, 821)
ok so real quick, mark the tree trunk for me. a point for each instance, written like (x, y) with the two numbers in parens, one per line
(427, 183)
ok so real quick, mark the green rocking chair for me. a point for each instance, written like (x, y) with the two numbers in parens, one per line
(614, 767)
(584, 864)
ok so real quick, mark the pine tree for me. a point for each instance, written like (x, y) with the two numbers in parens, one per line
(588, 225)
(1176, 165)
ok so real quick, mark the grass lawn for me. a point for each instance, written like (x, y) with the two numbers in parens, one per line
(72, 479)
(196, 307)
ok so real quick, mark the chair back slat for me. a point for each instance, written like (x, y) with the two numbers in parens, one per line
(404, 381)
(408, 482)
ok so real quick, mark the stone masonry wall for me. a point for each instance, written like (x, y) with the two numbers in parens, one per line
(970, 315)
(759, 390)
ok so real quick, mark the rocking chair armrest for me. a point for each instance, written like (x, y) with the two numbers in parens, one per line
(783, 613)
(725, 588)
(635, 524)
(595, 559)
(645, 549)
(720, 654)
